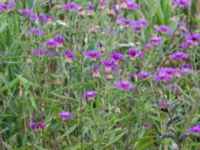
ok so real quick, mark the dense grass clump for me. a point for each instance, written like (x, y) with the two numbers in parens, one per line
(101, 74)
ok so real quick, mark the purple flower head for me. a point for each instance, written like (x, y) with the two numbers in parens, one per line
(131, 5)
(139, 24)
(90, 95)
(102, 3)
(186, 66)
(123, 21)
(195, 37)
(93, 54)
(59, 39)
(117, 56)
(69, 54)
(32, 125)
(163, 105)
(41, 125)
(123, 85)
(65, 115)
(182, 3)
(3, 7)
(188, 43)
(164, 29)
(32, 16)
(156, 41)
(132, 53)
(108, 64)
(95, 68)
(91, 7)
(179, 55)
(71, 6)
(140, 55)
(43, 18)
(52, 43)
(26, 12)
(38, 52)
(195, 129)
(35, 31)
(163, 75)
(147, 46)
(50, 53)
(143, 75)
(11, 5)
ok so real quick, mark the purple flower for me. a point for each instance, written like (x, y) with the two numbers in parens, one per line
(26, 12)
(164, 29)
(65, 115)
(59, 39)
(147, 46)
(123, 85)
(140, 55)
(156, 41)
(195, 129)
(132, 53)
(102, 3)
(69, 56)
(123, 21)
(35, 31)
(43, 18)
(52, 43)
(163, 75)
(32, 16)
(188, 43)
(131, 5)
(143, 75)
(182, 3)
(71, 6)
(179, 55)
(41, 125)
(93, 54)
(38, 52)
(91, 7)
(11, 5)
(3, 7)
(108, 64)
(32, 125)
(117, 56)
(139, 24)
(90, 95)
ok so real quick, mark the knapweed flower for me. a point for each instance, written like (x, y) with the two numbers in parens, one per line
(43, 18)
(93, 55)
(36, 125)
(147, 46)
(187, 44)
(108, 64)
(156, 41)
(117, 56)
(123, 21)
(143, 75)
(71, 6)
(179, 55)
(163, 76)
(65, 115)
(69, 56)
(59, 39)
(90, 95)
(163, 29)
(182, 3)
(132, 53)
(35, 31)
(139, 24)
(129, 4)
(3, 7)
(163, 105)
(140, 55)
(38, 52)
(123, 85)
(52, 42)
(102, 3)
(96, 73)
(11, 5)
(195, 129)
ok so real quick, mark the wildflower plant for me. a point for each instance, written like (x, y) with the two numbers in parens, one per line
(99, 74)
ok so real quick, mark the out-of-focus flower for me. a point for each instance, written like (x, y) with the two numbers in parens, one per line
(117, 56)
(60, 40)
(123, 85)
(102, 3)
(182, 3)
(163, 105)
(52, 42)
(140, 55)
(11, 5)
(71, 6)
(69, 56)
(38, 52)
(35, 31)
(147, 46)
(108, 65)
(139, 24)
(101, 47)
(123, 21)
(156, 41)
(179, 55)
(65, 115)
(129, 4)
(36, 125)
(163, 76)
(90, 95)
(195, 129)
(93, 55)
(43, 18)
(96, 73)
(163, 29)
(143, 75)
(132, 53)
(3, 7)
